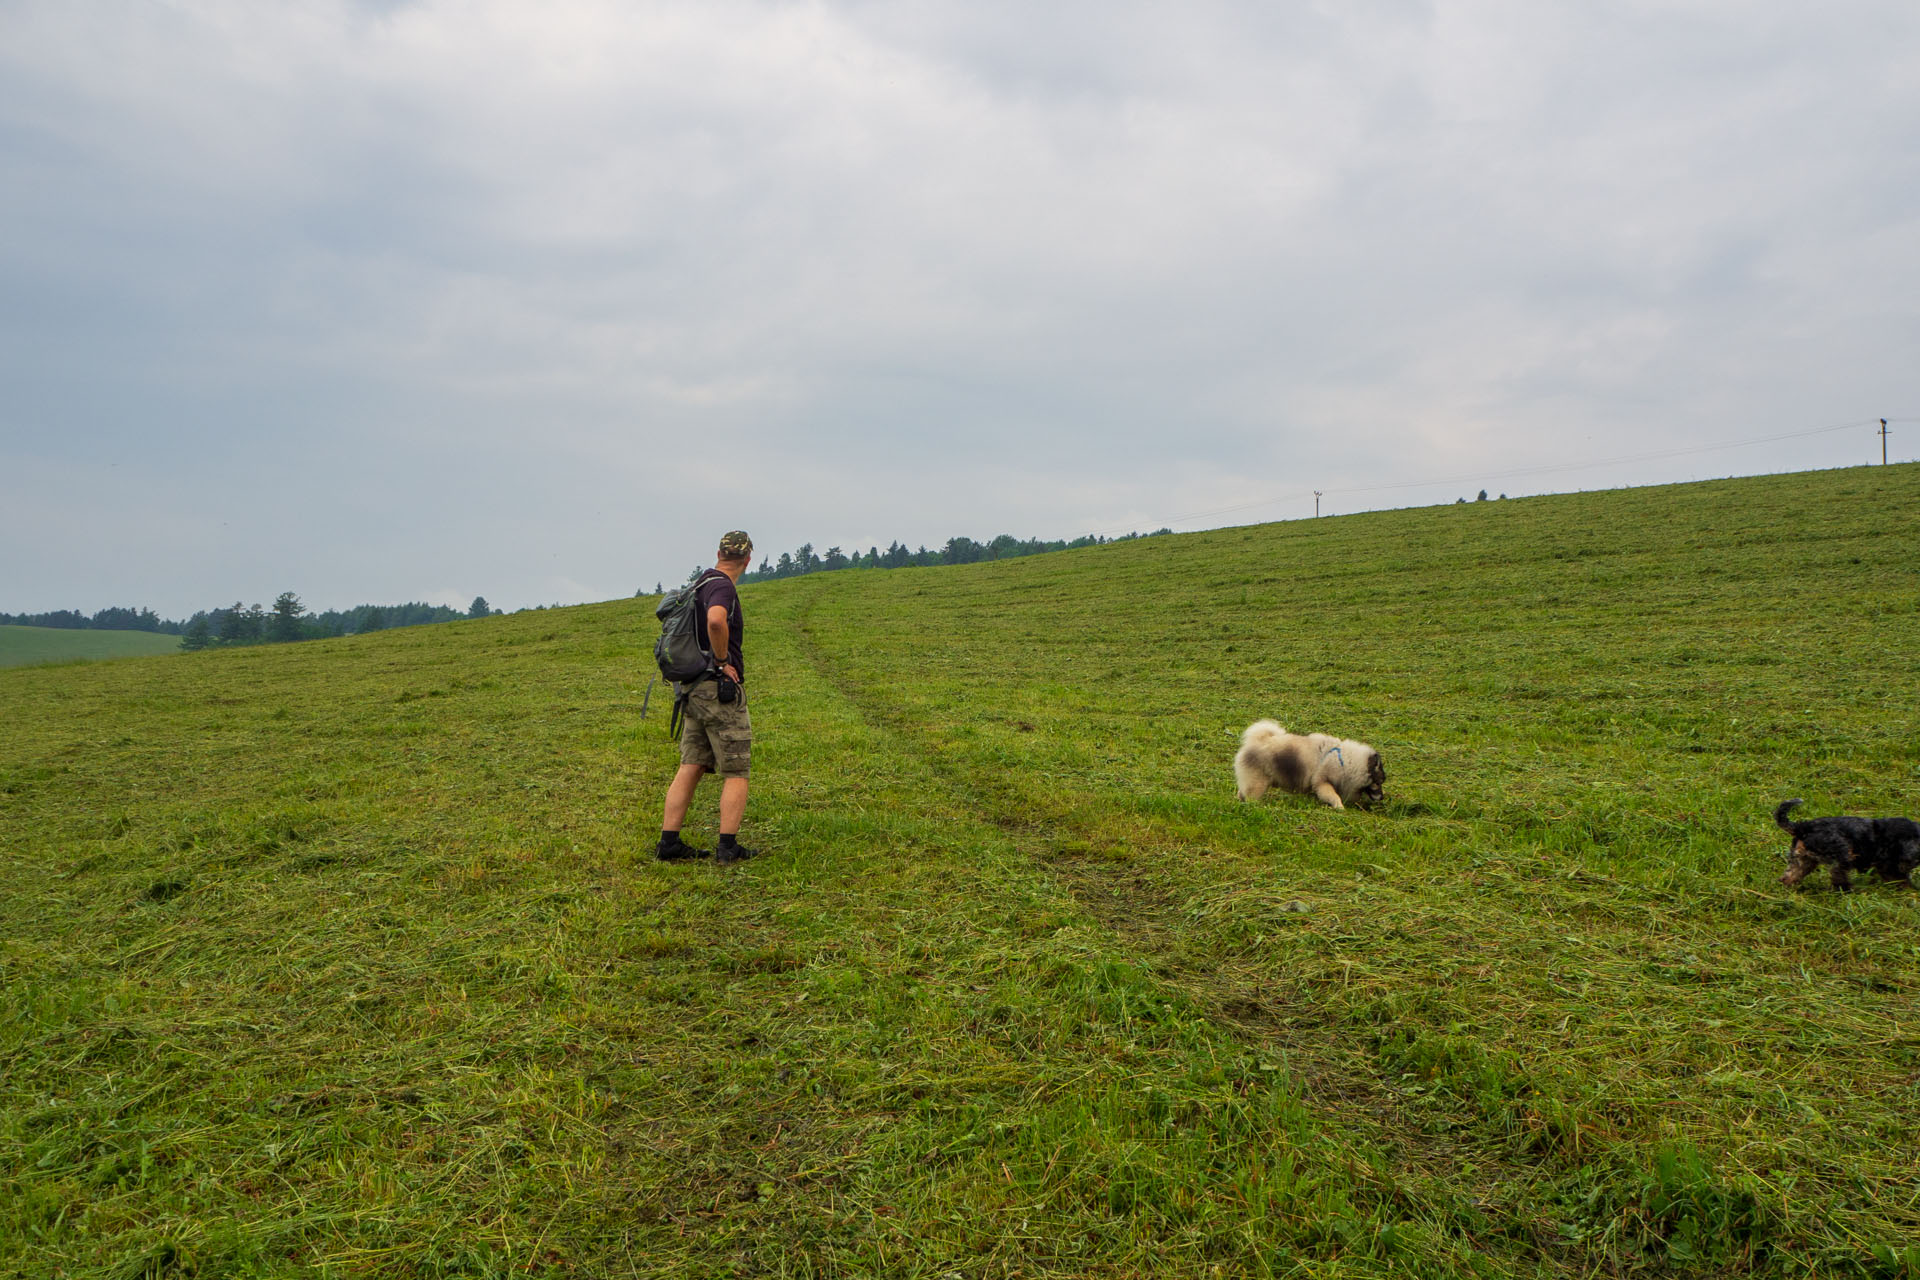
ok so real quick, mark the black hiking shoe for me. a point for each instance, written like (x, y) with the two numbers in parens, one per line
(732, 851)
(678, 850)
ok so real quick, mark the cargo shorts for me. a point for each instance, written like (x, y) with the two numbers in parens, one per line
(716, 735)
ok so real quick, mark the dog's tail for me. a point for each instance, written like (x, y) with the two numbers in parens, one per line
(1780, 814)
(1261, 731)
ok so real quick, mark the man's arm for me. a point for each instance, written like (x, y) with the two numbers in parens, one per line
(720, 639)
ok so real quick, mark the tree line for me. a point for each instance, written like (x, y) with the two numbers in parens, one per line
(793, 564)
(104, 620)
(288, 621)
(243, 624)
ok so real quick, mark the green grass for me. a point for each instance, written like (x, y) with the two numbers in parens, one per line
(347, 958)
(34, 646)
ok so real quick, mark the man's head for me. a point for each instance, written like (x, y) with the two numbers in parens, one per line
(736, 547)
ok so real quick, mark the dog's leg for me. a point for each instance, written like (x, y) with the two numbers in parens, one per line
(1252, 780)
(1902, 867)
(1799, 864)
(1328, 795)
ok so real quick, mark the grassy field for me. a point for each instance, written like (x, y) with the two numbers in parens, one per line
(32, 646)
(349, 958)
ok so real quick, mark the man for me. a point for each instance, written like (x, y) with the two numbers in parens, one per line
(716, 735)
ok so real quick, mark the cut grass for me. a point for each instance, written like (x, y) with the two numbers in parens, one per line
(38, 646)
(346, 957)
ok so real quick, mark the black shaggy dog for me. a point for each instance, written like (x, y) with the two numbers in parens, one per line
(1889, 847)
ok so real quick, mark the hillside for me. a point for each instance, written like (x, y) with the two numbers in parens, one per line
(348, 957)
(29, 646)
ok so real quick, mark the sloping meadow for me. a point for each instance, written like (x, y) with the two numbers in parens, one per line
(350, 957)
(34, 646)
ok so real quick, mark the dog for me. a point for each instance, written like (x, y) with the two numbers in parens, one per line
(1337, 770)
(1888, 847)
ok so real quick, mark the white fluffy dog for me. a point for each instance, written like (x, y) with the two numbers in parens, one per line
(1336, 770)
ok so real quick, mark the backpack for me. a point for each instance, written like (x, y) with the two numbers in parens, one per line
(681, 650)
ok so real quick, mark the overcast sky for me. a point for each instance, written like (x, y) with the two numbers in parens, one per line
(393, 301)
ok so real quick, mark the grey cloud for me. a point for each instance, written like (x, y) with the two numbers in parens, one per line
(483, 282)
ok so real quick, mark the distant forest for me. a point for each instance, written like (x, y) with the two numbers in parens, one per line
(241, 624)
(287, 620)
(793, 564)
(105, 620)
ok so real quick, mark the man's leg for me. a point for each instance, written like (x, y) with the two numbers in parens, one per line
(733, 805)
(680, 797)
(733, 755)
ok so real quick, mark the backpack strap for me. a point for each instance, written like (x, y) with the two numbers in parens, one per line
(700, 622)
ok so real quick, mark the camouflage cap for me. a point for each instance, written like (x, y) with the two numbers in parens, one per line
(736, 545)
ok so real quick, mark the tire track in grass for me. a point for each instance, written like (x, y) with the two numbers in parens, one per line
(1147, 921)
(1659, 1038)
(1597, 1175)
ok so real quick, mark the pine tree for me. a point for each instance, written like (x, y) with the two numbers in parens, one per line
(285, 625)
(232, 624)
(198, 633)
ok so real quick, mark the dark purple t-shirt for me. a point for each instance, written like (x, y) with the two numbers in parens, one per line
(716, 588)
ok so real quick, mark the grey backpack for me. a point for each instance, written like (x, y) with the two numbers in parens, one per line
(681, 649)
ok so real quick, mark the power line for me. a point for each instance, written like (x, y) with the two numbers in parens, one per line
(1549, 469)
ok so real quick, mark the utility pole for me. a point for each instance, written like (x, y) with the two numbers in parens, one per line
(1316, 496)
(1883, 442)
